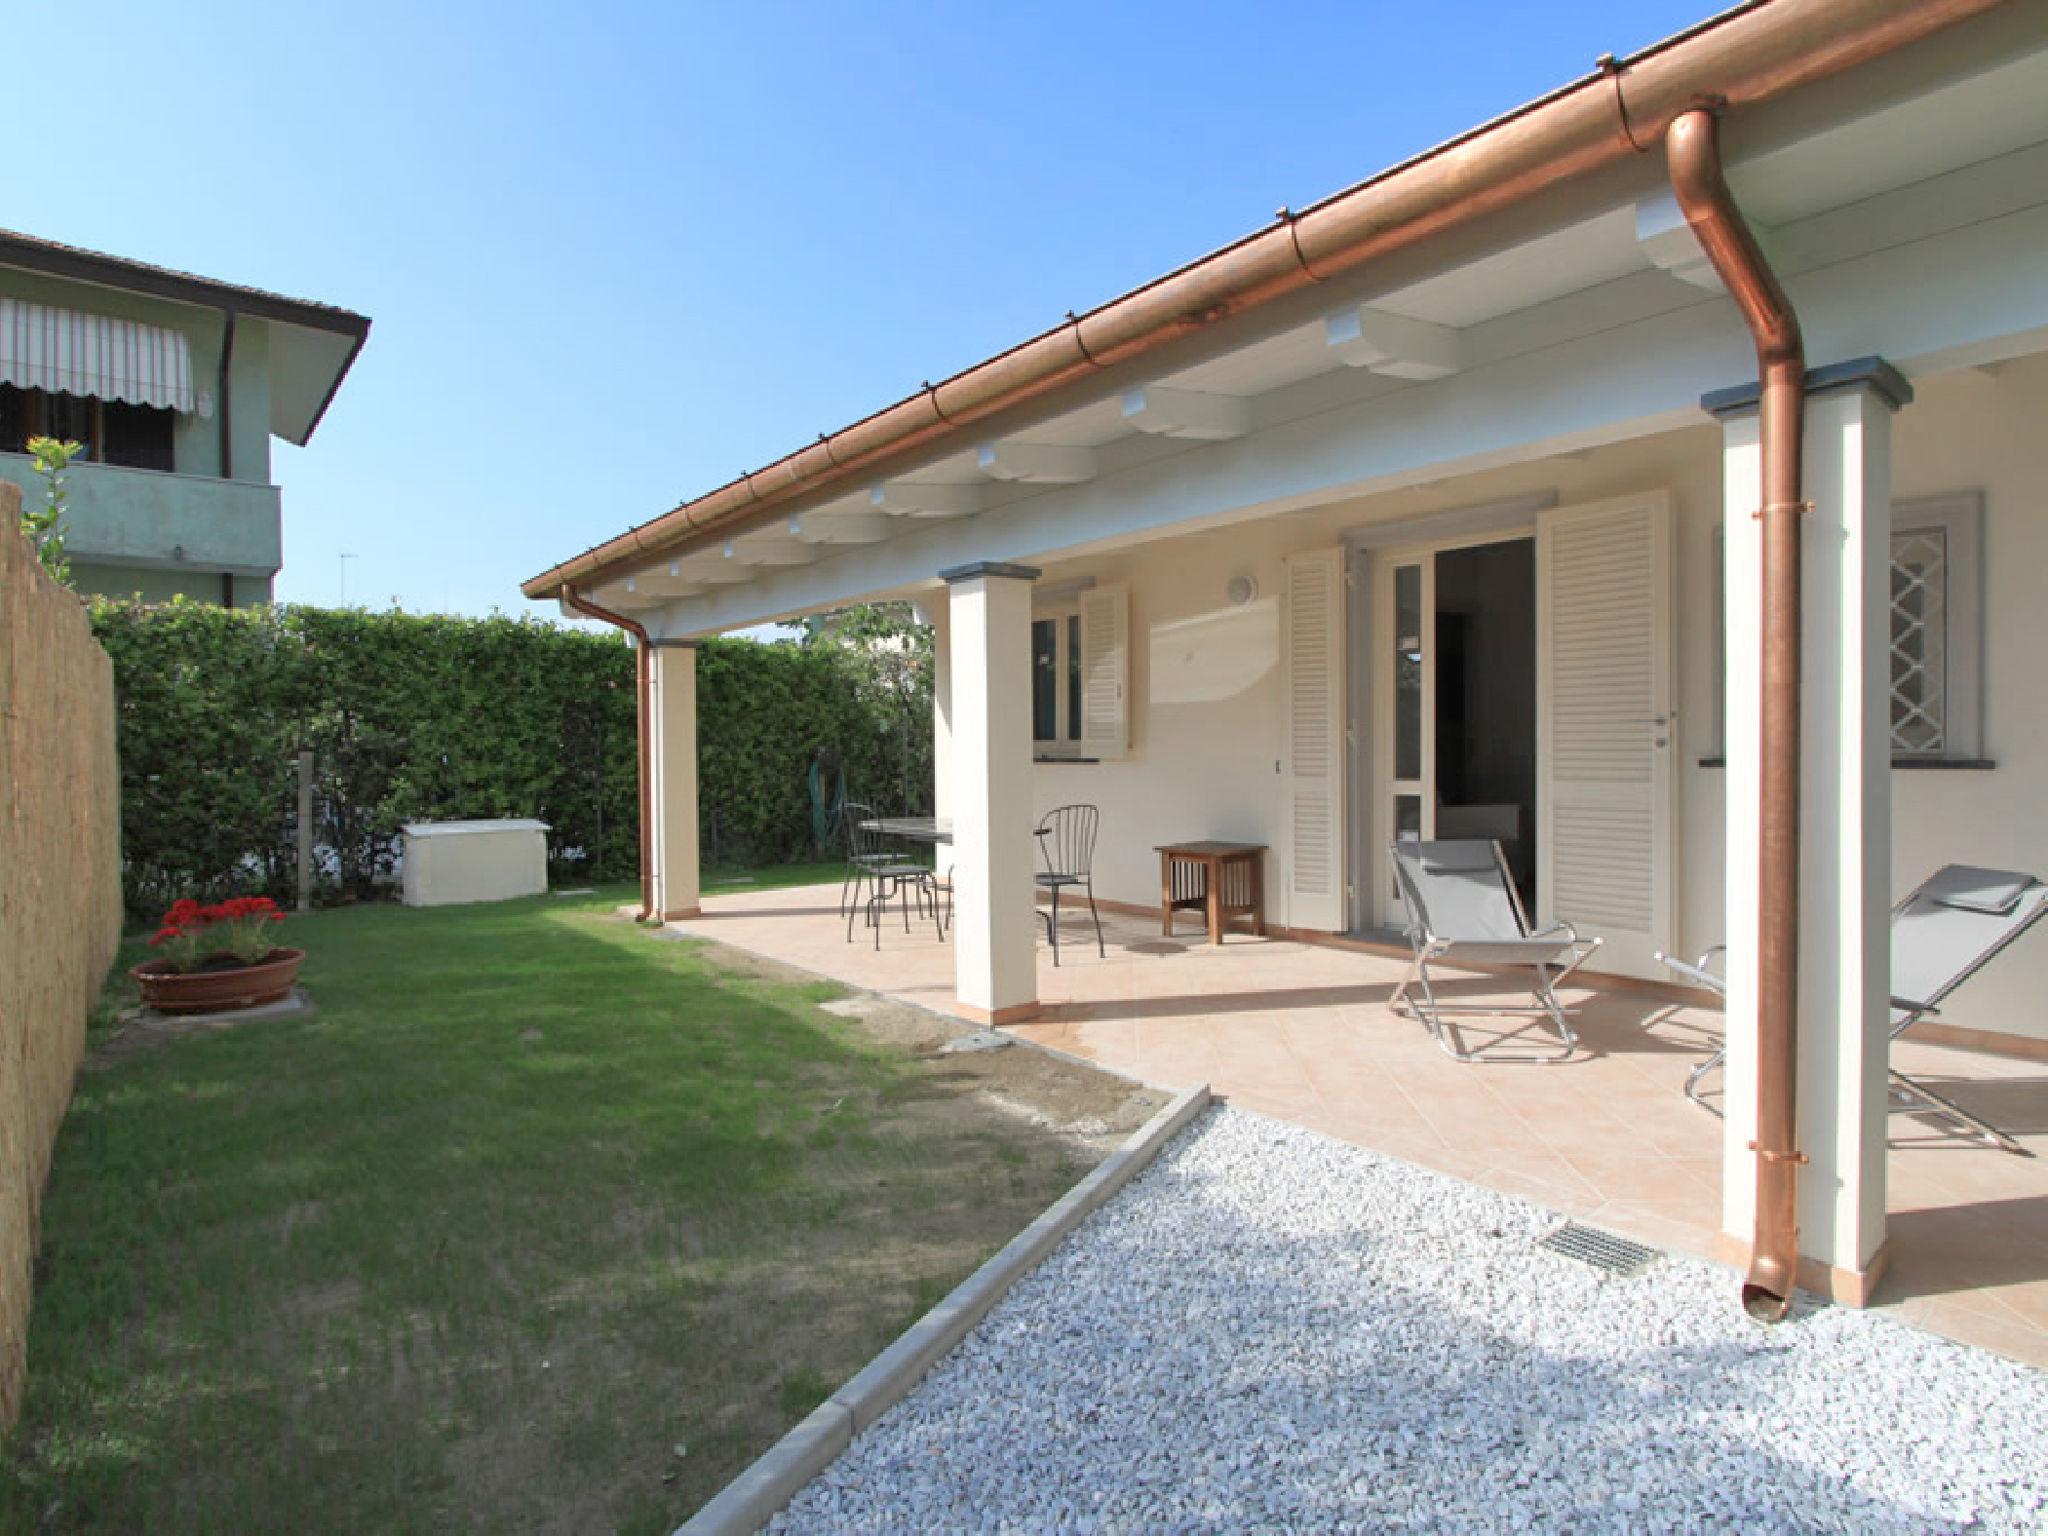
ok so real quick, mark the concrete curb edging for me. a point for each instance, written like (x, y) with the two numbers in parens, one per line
(748, 1502)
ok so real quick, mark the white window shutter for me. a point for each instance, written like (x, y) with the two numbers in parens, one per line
(1607, 732)
(1314, 766)
(1105, 673)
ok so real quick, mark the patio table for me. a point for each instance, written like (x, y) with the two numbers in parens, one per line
(916, 829)
(1225, 880)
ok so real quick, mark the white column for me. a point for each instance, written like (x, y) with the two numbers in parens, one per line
(1845, 822)
(940, 617)
(995, 955)
(676, 889)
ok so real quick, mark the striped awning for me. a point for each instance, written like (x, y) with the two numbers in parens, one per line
(67, 351)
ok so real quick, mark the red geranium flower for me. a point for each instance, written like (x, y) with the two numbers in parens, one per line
(237, 926)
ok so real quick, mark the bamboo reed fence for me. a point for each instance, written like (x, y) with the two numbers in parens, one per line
(60, 892)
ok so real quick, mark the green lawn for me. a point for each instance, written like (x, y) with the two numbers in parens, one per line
(534, 1201)
(716, 879)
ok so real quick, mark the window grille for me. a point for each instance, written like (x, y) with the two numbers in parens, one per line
(1919, 642)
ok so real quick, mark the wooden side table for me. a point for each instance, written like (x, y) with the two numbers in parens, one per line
(1225, 880)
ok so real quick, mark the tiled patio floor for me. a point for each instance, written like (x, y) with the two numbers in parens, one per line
(1303, 1032)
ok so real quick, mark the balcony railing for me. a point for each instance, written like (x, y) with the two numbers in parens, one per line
(146, 517)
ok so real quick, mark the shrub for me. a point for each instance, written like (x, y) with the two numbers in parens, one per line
(421, 717)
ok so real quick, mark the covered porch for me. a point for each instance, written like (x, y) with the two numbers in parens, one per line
(1302, 1031)
(1254, 681)
(1464, 544)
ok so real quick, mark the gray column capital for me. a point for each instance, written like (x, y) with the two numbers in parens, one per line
(1871, 373)
(952, 576)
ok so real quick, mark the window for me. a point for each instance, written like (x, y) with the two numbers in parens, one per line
(1936, 630)
(1056, 682)
(1073, 677)
(1079, 672)
(1936, 624)
(113, 431)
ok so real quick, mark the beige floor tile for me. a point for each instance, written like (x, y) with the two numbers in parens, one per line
(1303, 1032)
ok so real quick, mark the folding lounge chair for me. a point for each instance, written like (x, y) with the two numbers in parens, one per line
(1463, 909)
(1700, 973)
(1942, 934)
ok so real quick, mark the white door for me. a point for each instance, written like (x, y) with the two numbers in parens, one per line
(1313, 769)
(1606, 727)
(1404, 605)
(1485, 697)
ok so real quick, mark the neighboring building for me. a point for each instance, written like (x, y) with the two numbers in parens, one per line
(175, 384)
(1432, 510)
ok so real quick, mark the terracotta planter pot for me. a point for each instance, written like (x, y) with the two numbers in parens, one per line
(223, 991)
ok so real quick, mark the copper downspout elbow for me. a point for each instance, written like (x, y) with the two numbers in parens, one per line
(1693, 151)
(643, 680)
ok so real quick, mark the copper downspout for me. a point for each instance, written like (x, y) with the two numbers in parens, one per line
(1693, 149)
(643, 680)
(1747, 56)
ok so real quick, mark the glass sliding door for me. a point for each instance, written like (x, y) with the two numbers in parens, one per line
(1456, 669)
(1411, 694)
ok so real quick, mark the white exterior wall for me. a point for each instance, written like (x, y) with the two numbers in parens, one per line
(1989, 432)
(1206, 709)
(1207, 706)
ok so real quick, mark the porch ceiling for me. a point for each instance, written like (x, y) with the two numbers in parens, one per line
(1848, 144)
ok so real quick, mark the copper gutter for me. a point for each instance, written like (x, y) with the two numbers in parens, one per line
(643, 679)
(1693, 150)
(1747, 56)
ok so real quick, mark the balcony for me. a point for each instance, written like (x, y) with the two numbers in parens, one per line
(153, 518)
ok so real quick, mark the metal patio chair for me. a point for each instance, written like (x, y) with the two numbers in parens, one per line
(851, 813)
(1463, 909)
(889, 873)
(1066, 846)
(1943, 933)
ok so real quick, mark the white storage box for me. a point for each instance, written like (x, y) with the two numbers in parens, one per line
(447, 862)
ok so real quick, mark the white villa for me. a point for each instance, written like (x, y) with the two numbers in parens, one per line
(1432, 510)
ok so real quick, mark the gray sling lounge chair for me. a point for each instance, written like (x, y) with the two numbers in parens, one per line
(1463, 909)
(1942, 934)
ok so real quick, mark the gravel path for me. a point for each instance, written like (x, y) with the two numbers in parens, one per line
(1273, 1330)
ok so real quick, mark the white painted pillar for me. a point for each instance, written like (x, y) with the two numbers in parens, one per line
(940, 616)
(995, 952)
(1845, 820)
(676, 875)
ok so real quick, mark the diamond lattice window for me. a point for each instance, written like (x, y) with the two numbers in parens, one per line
(1935, 640)
(1919, 642)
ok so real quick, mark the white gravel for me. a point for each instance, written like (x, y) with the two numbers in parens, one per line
(1272, 1330)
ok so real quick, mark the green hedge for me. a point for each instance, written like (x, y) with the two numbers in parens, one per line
(413, 717)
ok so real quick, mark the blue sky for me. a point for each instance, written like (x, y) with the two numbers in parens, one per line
(617, 253)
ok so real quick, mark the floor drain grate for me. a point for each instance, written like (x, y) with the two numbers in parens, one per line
(1612, 1255)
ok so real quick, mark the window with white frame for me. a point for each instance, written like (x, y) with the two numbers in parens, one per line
(1080, 671)
(1056, 680)
(1935, 629)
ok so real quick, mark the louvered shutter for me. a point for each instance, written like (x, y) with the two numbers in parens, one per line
(1606, 728)
(1314, 764)
(1105, 673)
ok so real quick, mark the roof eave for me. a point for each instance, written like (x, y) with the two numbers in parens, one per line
(1753, 53)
